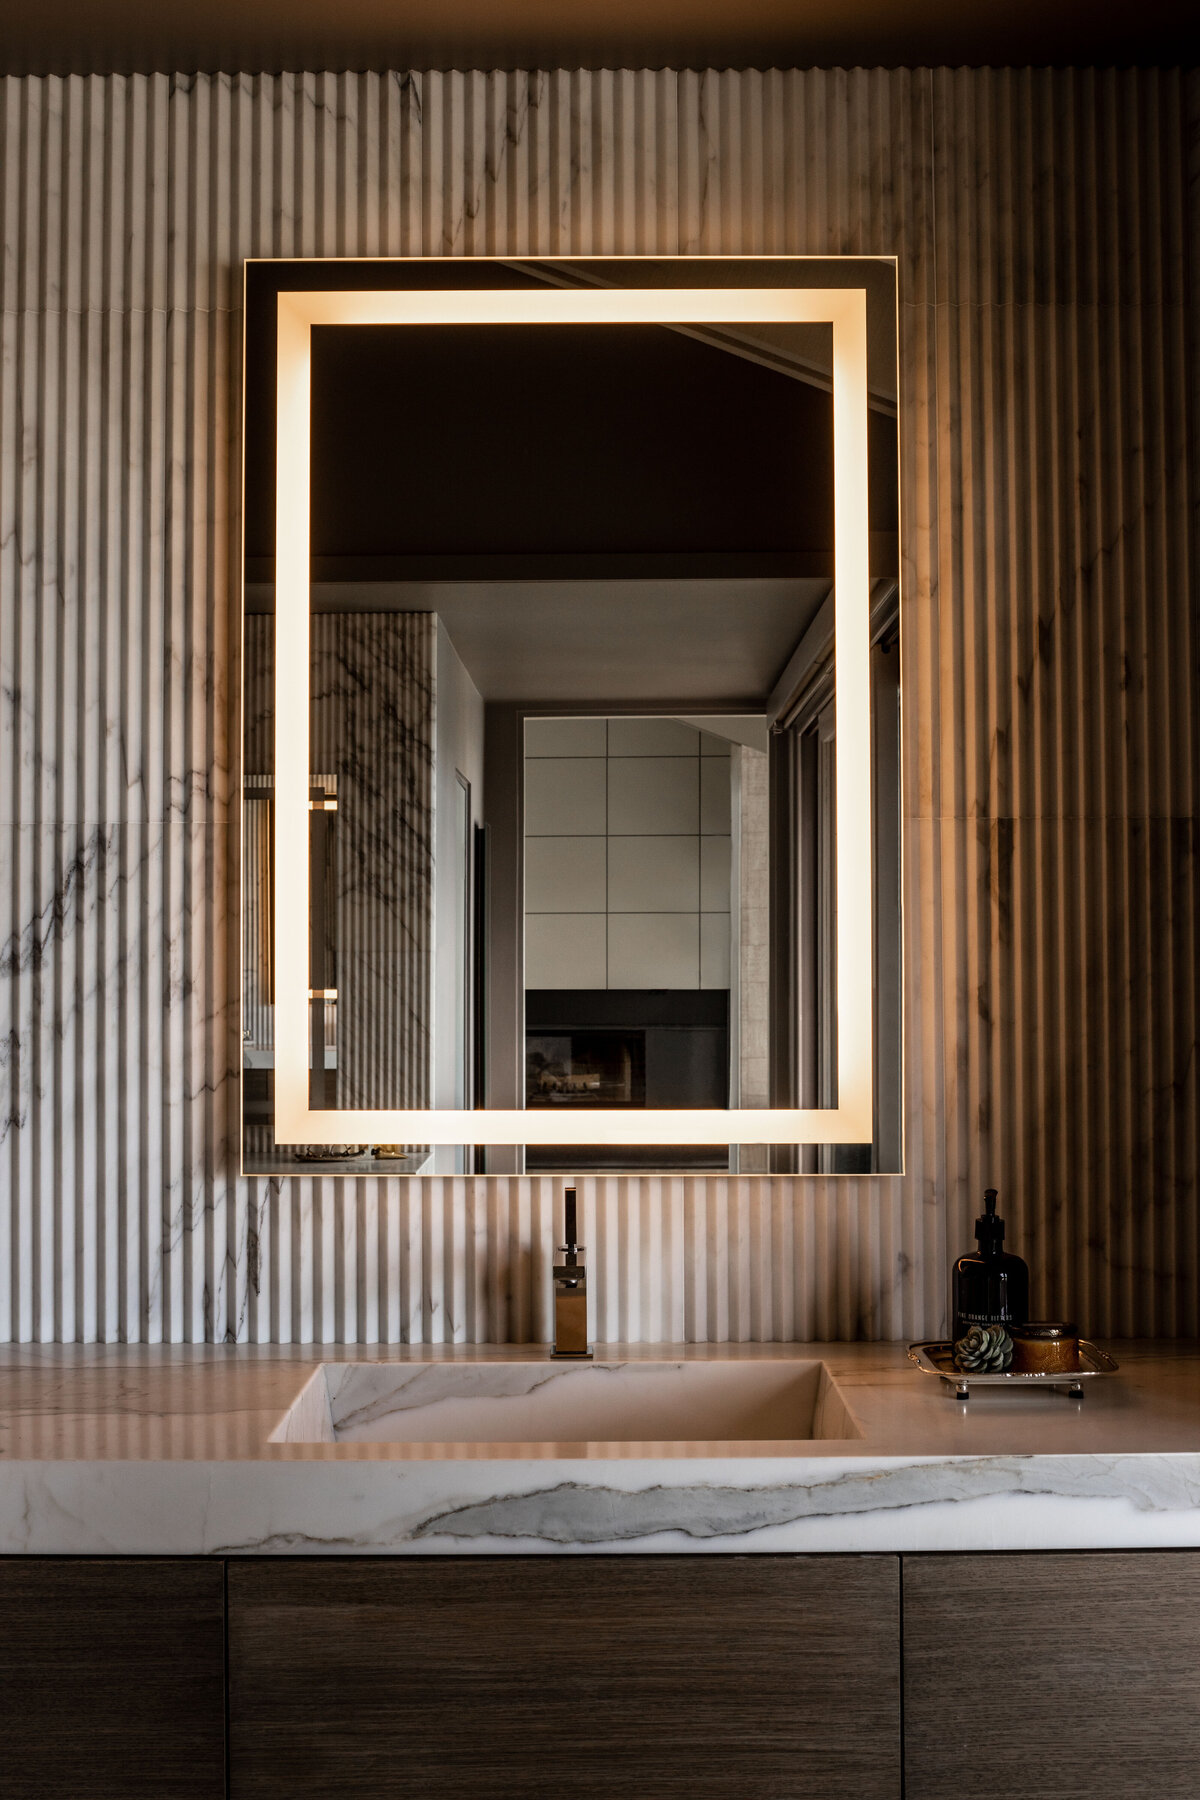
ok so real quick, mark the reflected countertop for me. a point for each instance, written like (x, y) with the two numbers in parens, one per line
(167, 1449)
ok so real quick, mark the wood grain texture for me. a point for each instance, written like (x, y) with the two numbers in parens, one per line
(1055, 1677)
(112, 1680)
(516, 1678)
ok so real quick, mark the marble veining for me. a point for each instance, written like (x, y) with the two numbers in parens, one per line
(416, 1389)
(222, 1508)
(577, 1513)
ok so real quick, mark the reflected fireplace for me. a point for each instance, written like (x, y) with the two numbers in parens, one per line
(626, 1048)
(585, 1068)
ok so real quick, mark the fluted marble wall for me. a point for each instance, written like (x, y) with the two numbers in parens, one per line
(1047, 240)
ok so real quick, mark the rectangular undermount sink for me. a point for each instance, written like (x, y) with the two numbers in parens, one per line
(678, 1407)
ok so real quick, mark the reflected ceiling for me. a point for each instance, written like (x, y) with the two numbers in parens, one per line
(664, 644)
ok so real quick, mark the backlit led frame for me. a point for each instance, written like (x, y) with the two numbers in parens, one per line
(845, 309)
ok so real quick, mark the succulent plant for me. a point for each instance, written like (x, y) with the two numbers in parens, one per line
(985, 1350)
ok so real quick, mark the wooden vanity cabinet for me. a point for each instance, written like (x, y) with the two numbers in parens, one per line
(518, 1678)
(1049, 1676)
(112, 1679)
(1052, 1676)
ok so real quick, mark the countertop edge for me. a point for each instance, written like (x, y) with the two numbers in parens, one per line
(851, 1504)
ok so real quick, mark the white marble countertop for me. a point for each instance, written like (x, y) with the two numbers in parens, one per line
(168, 1450)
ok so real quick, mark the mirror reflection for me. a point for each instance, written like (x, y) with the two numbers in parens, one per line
(572, 720)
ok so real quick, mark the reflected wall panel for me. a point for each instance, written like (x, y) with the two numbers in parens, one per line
(1047, 259)
(372, 725)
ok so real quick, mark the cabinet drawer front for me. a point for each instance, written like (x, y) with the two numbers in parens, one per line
(112, 1680)
(1069, 1676)
(513, 1678)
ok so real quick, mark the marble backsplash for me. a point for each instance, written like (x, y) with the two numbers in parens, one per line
(1046, 236)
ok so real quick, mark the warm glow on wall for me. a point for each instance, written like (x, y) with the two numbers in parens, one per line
(845, 309)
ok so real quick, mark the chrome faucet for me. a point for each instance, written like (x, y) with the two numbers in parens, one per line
(570, 1290)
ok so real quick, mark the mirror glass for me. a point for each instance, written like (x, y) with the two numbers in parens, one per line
(572, 748)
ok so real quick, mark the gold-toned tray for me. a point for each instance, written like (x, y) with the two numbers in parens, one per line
(935, 1358)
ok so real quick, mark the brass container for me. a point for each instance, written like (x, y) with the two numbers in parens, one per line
(1045, 1347)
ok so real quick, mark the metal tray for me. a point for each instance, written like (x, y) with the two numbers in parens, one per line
(934, 1358)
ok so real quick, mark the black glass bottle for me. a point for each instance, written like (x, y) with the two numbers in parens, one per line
(990, 1285)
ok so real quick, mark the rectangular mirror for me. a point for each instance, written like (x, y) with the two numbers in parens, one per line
(571, 809)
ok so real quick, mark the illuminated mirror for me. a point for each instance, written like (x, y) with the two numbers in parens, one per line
(570, 816)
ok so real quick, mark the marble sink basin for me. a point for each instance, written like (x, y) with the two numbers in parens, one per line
(701, 1407)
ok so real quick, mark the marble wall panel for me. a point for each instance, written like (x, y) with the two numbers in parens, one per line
(1047, 240)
